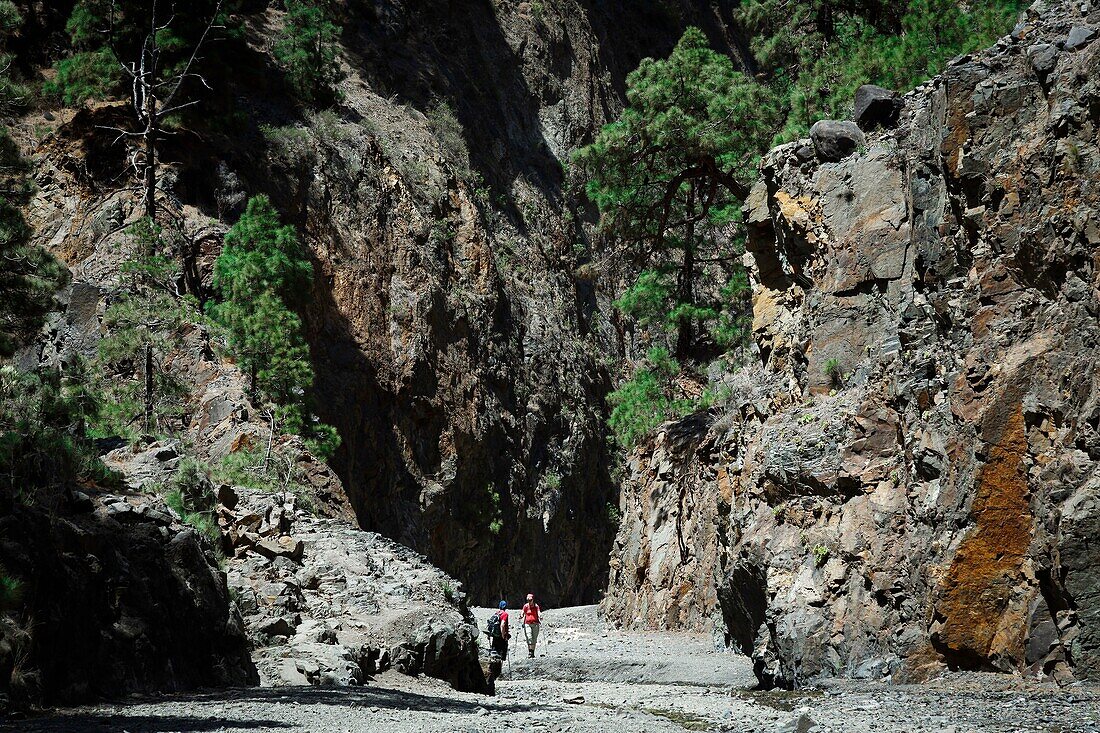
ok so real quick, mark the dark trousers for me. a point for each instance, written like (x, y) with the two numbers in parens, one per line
(500, 646)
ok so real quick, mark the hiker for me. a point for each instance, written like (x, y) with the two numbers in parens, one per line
(531, 622)
(497, 629)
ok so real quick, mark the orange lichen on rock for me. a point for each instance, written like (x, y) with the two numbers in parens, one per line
(982, 611)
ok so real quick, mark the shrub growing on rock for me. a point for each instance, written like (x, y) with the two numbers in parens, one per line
(308, 51)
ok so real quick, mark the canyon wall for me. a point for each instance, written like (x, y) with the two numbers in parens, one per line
(461, 348)
(906, 476)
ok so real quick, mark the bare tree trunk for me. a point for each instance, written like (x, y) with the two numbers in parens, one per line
(148, 386)
(151, 157)
(684, 335)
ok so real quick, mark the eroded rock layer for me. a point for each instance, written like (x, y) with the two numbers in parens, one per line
(909, 476)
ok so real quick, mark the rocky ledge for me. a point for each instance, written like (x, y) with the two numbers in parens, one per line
(328, 604)
(908, 478)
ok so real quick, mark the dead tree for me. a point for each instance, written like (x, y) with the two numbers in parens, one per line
(156, 92)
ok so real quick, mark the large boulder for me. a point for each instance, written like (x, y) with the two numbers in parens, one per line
(835, 140)
(876, 107)
(328, 604)
(114, 602)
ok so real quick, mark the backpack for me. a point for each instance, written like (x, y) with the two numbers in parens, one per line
(492, 626)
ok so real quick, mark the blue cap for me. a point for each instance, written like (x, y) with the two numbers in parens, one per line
(503, 605)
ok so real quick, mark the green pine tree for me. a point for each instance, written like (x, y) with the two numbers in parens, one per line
(814, 55)
(261, 273)
(308, 51)
(668, 177)
(44, 445)
(145, 322)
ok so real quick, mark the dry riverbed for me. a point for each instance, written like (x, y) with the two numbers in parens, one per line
(591, 679)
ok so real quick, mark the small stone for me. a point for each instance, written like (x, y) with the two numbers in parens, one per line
(81, 503)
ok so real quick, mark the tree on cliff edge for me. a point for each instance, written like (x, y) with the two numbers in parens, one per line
(153, 46)
(668, 177)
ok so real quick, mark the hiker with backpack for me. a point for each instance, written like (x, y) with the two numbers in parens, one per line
(498, 632)
(532, 621)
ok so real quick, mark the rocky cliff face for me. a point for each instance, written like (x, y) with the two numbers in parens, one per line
(908, 478)
(459, 353)
(118, 597)
(461, 357)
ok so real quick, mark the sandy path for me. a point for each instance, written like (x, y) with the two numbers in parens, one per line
(629, 682)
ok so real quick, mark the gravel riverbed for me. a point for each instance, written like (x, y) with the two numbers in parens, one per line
(588, 678)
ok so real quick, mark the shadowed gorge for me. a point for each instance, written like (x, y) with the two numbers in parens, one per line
(746, 347)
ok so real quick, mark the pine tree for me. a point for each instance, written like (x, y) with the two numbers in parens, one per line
(814, 55)
(44, 445)
(308, 50)
(261, 273)
(669, 174)
(156, 49)
(145, 322)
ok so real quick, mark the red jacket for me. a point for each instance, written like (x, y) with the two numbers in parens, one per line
(531, 613)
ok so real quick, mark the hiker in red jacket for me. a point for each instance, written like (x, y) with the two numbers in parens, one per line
(531, 622)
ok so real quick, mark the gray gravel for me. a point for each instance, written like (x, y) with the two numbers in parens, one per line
(629, 682)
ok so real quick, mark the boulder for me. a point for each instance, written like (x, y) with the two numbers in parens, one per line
(227, 497)
(802, 724)
(835, 140)
(355, 604)
(1079, 37)
(876, 107)
(1043, 57)
(272, 547)
(119, 607)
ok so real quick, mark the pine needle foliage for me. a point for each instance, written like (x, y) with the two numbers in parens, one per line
(145, 322)
(670, 173)
(261, 274)
(814, 55)
(643, 402)
(29, 276)
(44, 445)
(308, 51)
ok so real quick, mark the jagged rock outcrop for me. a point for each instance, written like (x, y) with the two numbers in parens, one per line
(326, 603)
(910, 476)
(116, 596)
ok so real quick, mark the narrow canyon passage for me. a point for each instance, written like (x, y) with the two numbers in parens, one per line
(589, 678)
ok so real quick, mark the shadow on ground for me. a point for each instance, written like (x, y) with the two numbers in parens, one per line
(127, 716)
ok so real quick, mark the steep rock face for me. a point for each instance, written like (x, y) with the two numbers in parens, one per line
(460, 351)
(460, 354)
(117, 597)
(908, 478)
